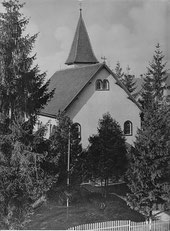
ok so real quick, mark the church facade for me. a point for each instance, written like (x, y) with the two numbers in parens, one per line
(88, 89)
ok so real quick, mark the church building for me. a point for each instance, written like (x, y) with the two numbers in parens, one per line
(88, 89)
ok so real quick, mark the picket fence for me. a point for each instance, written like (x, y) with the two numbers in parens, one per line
(125, 226)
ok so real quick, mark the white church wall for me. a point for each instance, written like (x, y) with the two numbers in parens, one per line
(91, 104)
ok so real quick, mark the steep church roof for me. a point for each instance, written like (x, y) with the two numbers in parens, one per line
(69, 83)
(81, 50)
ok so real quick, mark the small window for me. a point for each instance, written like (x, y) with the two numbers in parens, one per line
(128, 128)
(76, 128)
(99, 84)
(105, 84)
(39, 124)
(50, 129)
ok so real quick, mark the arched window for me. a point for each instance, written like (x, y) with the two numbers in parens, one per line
(105, 84)
(50, 129)
(39, 124)
(128, 127)
(76, 129)
(99, 84)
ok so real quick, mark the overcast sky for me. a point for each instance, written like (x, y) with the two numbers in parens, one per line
(121, 30)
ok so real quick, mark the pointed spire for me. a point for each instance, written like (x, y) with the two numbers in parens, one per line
(81, 51)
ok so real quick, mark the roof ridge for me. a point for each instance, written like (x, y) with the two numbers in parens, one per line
(78, 28)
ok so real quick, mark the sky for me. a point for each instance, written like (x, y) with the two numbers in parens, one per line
(121, 30)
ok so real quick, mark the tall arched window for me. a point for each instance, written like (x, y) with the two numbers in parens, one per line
(99, 84)
(128, 127)
(76, 129)
(105, 84)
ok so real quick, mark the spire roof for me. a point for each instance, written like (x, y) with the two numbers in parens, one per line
(81, 50)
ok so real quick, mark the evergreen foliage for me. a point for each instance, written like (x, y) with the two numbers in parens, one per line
(23, 94)
(22, 88)
(106, 157)
(148, 173)
(118, 71)
(64, 134)
(129, 81)
(154, 81)
(147, 93)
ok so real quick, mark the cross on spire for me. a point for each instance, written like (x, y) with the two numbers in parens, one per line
(80, 5)
(104, 59)
(81, 51)
(128, 70)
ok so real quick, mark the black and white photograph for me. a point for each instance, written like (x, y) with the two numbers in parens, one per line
(85, 115)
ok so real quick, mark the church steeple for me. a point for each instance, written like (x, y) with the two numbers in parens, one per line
(81, 50)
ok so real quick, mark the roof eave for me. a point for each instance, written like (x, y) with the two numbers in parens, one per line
(53, 116)
(72, 63)
(123, 87)
(100, 67)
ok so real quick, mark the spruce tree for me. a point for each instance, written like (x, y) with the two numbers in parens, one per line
(23, 93)
(148, 172)
(125, 78)
(147, 93)
(64, 134)
(106, 157)
(118, 71)
(129, 81)
(154, 81)
(157, 73)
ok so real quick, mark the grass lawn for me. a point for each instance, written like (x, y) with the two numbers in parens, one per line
(84, 208)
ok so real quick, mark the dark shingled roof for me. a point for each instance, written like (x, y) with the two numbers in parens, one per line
(70, 82)
(81, 50)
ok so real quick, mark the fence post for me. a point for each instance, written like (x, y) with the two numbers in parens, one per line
(150, 224)
(129, 225)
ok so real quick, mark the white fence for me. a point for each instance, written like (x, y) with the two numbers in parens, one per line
(125, 226)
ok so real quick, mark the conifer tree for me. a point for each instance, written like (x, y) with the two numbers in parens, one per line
(23, 94)
(147, 93)
(65, 133)
(106, 157)
(125, 78)
(154, 81)
(157, 73)
(148, 172)
(118, 71)
(129, 81)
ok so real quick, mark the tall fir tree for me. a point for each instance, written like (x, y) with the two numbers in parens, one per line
(23, 93)
(106, 157)
(118, 71)
(65, 138)
(148, 173)
(147, 93)
(126, 78)
(154, 81)
(129, 81)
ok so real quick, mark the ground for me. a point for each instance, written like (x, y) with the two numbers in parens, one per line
(87, 206)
